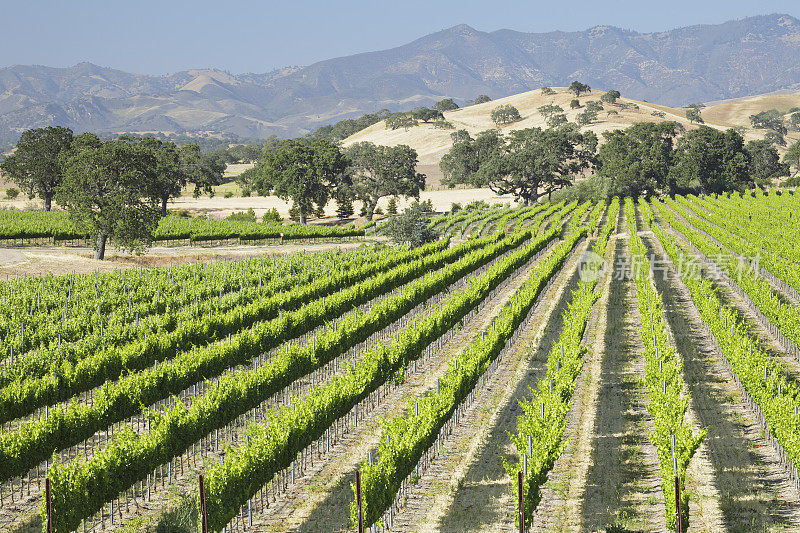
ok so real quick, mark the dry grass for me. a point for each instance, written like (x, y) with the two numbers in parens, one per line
(432, 143)
(219, 206)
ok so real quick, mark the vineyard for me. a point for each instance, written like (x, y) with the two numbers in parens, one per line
(55, 227)
(629, 365)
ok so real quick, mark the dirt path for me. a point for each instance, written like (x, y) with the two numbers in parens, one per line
(752, 491)
(467, 489)
(621, 488)
(321, 499)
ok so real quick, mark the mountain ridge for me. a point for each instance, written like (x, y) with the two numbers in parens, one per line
(705, 62)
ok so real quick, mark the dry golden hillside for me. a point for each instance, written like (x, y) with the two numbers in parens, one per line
(431, 143)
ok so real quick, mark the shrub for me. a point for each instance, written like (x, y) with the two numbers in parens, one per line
(228, 194)
(242, 216)
(392, 207)
(412, 225)
(12, 193)
(271, 217)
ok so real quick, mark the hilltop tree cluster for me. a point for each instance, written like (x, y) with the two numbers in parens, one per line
(116, 189)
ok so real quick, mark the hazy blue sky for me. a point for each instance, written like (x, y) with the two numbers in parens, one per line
(249, 36)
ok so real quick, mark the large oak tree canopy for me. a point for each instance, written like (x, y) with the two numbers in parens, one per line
(377, 171)
(108, 190)
(637, 160)
(527, 163)
(306, 173)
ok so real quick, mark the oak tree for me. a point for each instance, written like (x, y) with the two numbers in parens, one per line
(306, 173)
(578, 88)
(505, 114)
(637, 161)
(445, 105)
(107, 190)
(37, 164)
(377, 171)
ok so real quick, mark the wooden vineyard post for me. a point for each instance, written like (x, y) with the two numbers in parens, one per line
(521, 503)
(358, 500)
(49, 506)
(678, 518)
(203, 514)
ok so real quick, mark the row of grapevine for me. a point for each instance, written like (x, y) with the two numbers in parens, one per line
(785, 318)
(504, 215)
(407, 437)
(352, 268)
(771, 390)
(57, 225)
(492, 213)
(673, 437)
(247, 469)
(285, 314)
(81, 320)
(765, 220)
(733, 227)
(448, 221)
(36, 439)
(129, 457)
(539, 437)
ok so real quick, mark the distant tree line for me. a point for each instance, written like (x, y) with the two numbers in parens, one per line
(644, 159)
(651, 158)
(345, 128)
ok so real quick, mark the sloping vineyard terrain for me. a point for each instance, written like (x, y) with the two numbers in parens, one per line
(629, 365)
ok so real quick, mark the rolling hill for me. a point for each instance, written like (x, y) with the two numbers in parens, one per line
(756, 55)
(431, 143)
